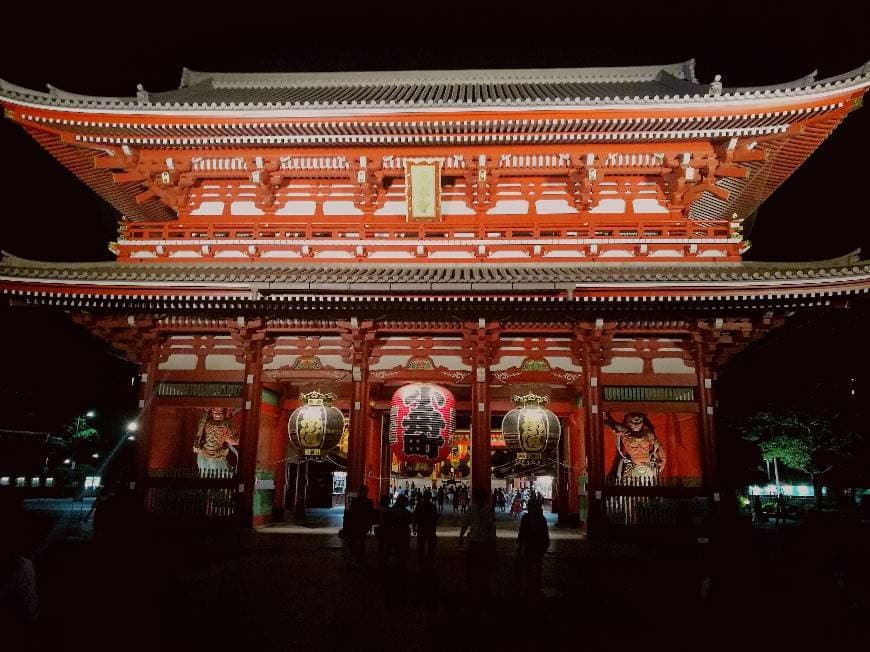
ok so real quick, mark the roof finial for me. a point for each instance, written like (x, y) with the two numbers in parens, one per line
(142, 95)
(716, 86)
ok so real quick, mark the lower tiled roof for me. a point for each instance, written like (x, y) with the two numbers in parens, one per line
(483, 277)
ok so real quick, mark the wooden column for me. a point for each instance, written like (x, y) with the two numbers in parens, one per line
(480, 432)
(147, 384)
(560, 482)
(572, 463)
(373, 456)
(480, 337)
(250, 433)
(592, 340)
(358, 338)
(703, 350)
(577, 468)
(144, 349)
(278, 465)
(386, 467)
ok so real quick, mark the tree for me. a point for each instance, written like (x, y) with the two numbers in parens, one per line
(812, 442)
(77, 441)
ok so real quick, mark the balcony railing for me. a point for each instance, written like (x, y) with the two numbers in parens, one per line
(276, 230)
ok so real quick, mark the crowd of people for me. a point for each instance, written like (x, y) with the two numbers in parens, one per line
(410, 511)
(458, 497)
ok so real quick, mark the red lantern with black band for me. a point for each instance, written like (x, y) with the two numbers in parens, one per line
(422, 423)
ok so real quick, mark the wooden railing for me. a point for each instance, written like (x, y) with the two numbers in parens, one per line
(650, 481)
(659, 511)
(275, 230)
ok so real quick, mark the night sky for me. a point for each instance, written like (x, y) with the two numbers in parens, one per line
(51, 370)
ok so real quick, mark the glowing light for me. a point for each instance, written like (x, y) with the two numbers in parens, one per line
(131, 438)
(90, 414)
(67, 461)
(95, 455)
(132, 426)
(422, 423)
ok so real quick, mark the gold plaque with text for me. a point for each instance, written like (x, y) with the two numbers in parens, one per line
(423, 181)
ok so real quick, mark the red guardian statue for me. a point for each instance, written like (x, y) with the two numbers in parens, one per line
(214, 437)
(640, 457)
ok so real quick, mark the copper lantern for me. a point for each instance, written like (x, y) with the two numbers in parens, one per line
(530, 428)
(422, 423)
(316, 426)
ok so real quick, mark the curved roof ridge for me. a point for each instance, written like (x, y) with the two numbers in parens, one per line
(533, 87)
(59, 93)
(807, 81)
(682, 70)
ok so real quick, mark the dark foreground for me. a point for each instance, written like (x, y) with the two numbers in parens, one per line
(286, 588)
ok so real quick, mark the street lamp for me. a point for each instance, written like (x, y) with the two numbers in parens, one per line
(79, 423)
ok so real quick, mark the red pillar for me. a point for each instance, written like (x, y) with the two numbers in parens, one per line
(386, 468)
(250, 435)
(560, 482)
(594, 439)
(706, 417)
(359, 403)
(149, 361)
(373, 456)
(356, 443)
(269, 417)
(278, 464)
(576, 466)
(481, 469)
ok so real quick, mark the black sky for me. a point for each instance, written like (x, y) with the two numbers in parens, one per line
(820, 212)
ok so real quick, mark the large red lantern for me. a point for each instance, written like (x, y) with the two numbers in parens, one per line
(422, 423)
(316, 426)
(530, 428)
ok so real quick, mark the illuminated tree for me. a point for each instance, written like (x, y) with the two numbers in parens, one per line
(814, 443)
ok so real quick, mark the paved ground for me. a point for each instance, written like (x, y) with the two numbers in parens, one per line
(287, 587)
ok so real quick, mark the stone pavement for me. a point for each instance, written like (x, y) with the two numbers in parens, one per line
(289, 587)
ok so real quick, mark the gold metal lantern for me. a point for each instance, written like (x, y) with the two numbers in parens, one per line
(316, 426)
(530, 429)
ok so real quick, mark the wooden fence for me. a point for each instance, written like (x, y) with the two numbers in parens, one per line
(657, 510)
(190, 492)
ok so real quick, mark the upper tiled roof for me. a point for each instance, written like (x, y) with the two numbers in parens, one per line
(433, 89)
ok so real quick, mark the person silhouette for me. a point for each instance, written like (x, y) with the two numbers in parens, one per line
(533, 541)
(479, 522)
(358, 521)
(425, 524)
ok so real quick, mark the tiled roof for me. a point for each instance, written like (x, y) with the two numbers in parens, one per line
(438, 89)
(365, 278)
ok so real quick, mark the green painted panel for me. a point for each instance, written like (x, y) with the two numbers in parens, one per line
(270, 397)
(264, 497)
